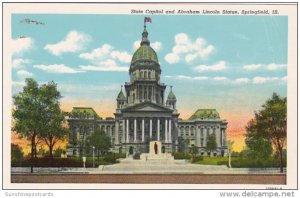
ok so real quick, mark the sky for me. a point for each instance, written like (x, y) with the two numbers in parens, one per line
(229, 63)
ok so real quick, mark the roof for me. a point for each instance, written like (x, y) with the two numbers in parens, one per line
(84, 112)
(121, 96)
(205, 113)
(144, 52)
(171, 96)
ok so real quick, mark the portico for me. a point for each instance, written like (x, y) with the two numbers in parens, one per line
(145, 122)
(138, 130)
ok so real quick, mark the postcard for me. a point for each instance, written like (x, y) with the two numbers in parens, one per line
(150, 96)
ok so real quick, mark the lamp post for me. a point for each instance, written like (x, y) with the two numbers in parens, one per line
(93, 156)
(83, 159)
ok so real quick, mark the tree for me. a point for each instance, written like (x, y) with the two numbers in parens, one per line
(259, 145)
(181, 144)
(26, 114)
(211, 143)
(100, 141)
(16, 153)
(194, 150)
(58, 152)
(269, 126)
(229, 148)
(53, 118)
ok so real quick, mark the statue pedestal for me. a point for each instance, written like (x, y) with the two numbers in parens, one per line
(158, 155)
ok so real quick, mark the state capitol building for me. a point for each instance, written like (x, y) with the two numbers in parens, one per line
(144, 114)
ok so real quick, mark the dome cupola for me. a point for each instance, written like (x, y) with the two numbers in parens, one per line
(144, 56)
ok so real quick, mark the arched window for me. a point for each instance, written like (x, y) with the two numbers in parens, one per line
(141, 74)
(149, 74)
(145, 74)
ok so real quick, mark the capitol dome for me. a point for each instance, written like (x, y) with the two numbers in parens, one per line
(145, 55)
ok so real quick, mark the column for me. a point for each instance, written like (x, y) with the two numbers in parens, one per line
(117, 132)
(225, 137)
(143, 130)
(221, 133)
(127, 130)
(166, 130)
(170, 128)
(150, 128)
(123, 131)
(134, 135)
(158, 130)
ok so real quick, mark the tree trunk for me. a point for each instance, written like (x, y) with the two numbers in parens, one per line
(51, 151)
(281, 159)
(32, 152)
(229, 160)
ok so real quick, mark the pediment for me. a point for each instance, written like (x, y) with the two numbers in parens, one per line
(147, 107)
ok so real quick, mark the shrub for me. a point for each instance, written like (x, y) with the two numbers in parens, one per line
(182, 155)
(197, 159)
(16, 154)
(110, 158)
(255, 163)
(55, 162)
(137, 156)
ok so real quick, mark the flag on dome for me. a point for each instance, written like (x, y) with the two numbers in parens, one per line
(147, 19)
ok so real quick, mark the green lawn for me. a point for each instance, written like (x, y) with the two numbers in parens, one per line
(213, 161)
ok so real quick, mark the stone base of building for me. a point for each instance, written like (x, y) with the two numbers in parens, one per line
(132, 148)
(162, 156)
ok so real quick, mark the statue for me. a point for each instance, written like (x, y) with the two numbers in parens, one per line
(155, 148)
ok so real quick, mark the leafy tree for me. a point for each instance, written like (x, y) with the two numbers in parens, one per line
(27, 113)
(229, 148)
(269, 126)
(53, 118)
(182, 144)
(58, 152)
(211, 143)
(16, 153)
(194, 150)
(259, 148)
(100, 141)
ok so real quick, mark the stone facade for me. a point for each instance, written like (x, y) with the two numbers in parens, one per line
(143, 114)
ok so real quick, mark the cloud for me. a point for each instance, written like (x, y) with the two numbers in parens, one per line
(21, 45)
(172, 58)
(121, 56)
(241, 80)
(155, 45)
(106, 51)
(24, 74)
(216, 67)
(97, 53)
(183, 77)
(188, 50)
(57, 68)
(107, 65)
(74, 42)
(19, 63)
(252, 66)
(260, 80)
(274, 66)
(271, 67)
(220, 78)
